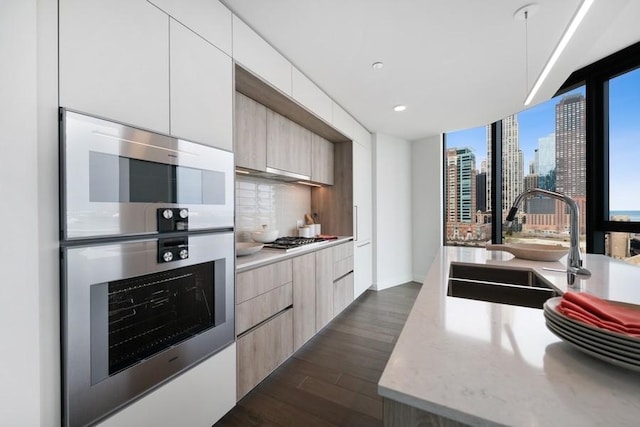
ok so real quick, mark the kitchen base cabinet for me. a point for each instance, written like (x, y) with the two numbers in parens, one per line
(324, 287)
(263, 349)
(304, 299)
(250, 284)
(342, 293)
(251, 312)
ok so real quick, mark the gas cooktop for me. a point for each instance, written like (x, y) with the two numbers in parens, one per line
(292, 243)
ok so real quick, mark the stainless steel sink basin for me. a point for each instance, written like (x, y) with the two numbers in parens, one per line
(515, 286)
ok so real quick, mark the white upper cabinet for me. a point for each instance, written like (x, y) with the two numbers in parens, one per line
(210, 19)
(362, 136)
(255, 54)
(311, 96)
(201, 89)
(342, 121)
(114, 61)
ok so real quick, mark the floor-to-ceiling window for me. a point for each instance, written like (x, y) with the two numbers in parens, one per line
(545, 147)
(467, 213)
(624, 160)
(584, 143)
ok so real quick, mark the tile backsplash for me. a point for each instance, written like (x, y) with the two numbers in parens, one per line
(264, 201)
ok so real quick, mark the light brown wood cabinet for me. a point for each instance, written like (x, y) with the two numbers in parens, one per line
(263, 349)
(304, 299)
(342, 293)
(251, 133)
(342, 260)
(288, 145)
(251, 312)
(342, 277)
(324, 287)
(321, 160)
(263, 302)
(280, 306)
(251, 283)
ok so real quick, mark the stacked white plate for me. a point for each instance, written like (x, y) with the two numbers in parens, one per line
(617, 349)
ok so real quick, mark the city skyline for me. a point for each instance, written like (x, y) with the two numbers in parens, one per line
(539, 121)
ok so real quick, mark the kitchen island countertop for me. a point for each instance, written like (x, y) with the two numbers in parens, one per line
(483, 363)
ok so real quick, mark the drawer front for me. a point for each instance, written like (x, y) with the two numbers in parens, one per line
(250, 284)
(342, 260)
(264, 349)
(251, 312)
(342, 293)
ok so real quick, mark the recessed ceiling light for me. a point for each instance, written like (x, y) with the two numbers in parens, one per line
(399, 108)
(377, 65)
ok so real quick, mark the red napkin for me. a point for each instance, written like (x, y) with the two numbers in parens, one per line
(601, 313)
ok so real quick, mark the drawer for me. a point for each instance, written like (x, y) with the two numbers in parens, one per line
(251, 312)
(342, 293)
(342, 260)
(263, 349)
(250, 284)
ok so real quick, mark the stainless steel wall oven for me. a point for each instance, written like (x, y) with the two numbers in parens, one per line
(147, 261)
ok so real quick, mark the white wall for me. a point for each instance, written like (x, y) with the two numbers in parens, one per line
(426, 195)
(19, 293)
(392, 232)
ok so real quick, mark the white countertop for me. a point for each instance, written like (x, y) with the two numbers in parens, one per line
(484, 363)
(268, 256)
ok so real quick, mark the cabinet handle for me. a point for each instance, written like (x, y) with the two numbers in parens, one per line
(355, 239)
(364, 244)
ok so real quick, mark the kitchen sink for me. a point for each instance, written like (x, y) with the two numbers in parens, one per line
(515, 286)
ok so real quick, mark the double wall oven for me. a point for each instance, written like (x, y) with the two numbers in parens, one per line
(147, 261)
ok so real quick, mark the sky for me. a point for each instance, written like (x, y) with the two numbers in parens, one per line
(624, 137)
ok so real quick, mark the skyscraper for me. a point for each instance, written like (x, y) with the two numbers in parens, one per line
(512, 163)
(546, 154)
(570, 146)
(461, 185)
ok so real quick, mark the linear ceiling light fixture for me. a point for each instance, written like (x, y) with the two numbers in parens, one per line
(571, 29)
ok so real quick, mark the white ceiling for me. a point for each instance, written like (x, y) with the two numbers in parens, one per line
(455, 64)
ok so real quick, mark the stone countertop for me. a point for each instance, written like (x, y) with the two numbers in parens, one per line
(268, 256)
(485, 363)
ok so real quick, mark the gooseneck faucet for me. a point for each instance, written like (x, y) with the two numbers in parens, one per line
(574, 259)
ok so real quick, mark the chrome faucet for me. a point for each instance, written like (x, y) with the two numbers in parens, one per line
(574, 259)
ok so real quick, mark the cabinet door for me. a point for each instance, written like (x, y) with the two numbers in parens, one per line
(201, 90)
(311, 96)
(264, 349)
(256, 55)
(251, 283)
(342, 259)
(362, 197)
(324, 287)
(288, 145)
(304, 299)
(211, 20)
(342, 293)
(362, 268)
(321, 160)
(251, 133)
(114, 61)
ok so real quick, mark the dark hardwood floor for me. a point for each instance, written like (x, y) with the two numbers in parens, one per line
(332, 380)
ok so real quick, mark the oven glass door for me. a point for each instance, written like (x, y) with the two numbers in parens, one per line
(115, 178)
(130, 323)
